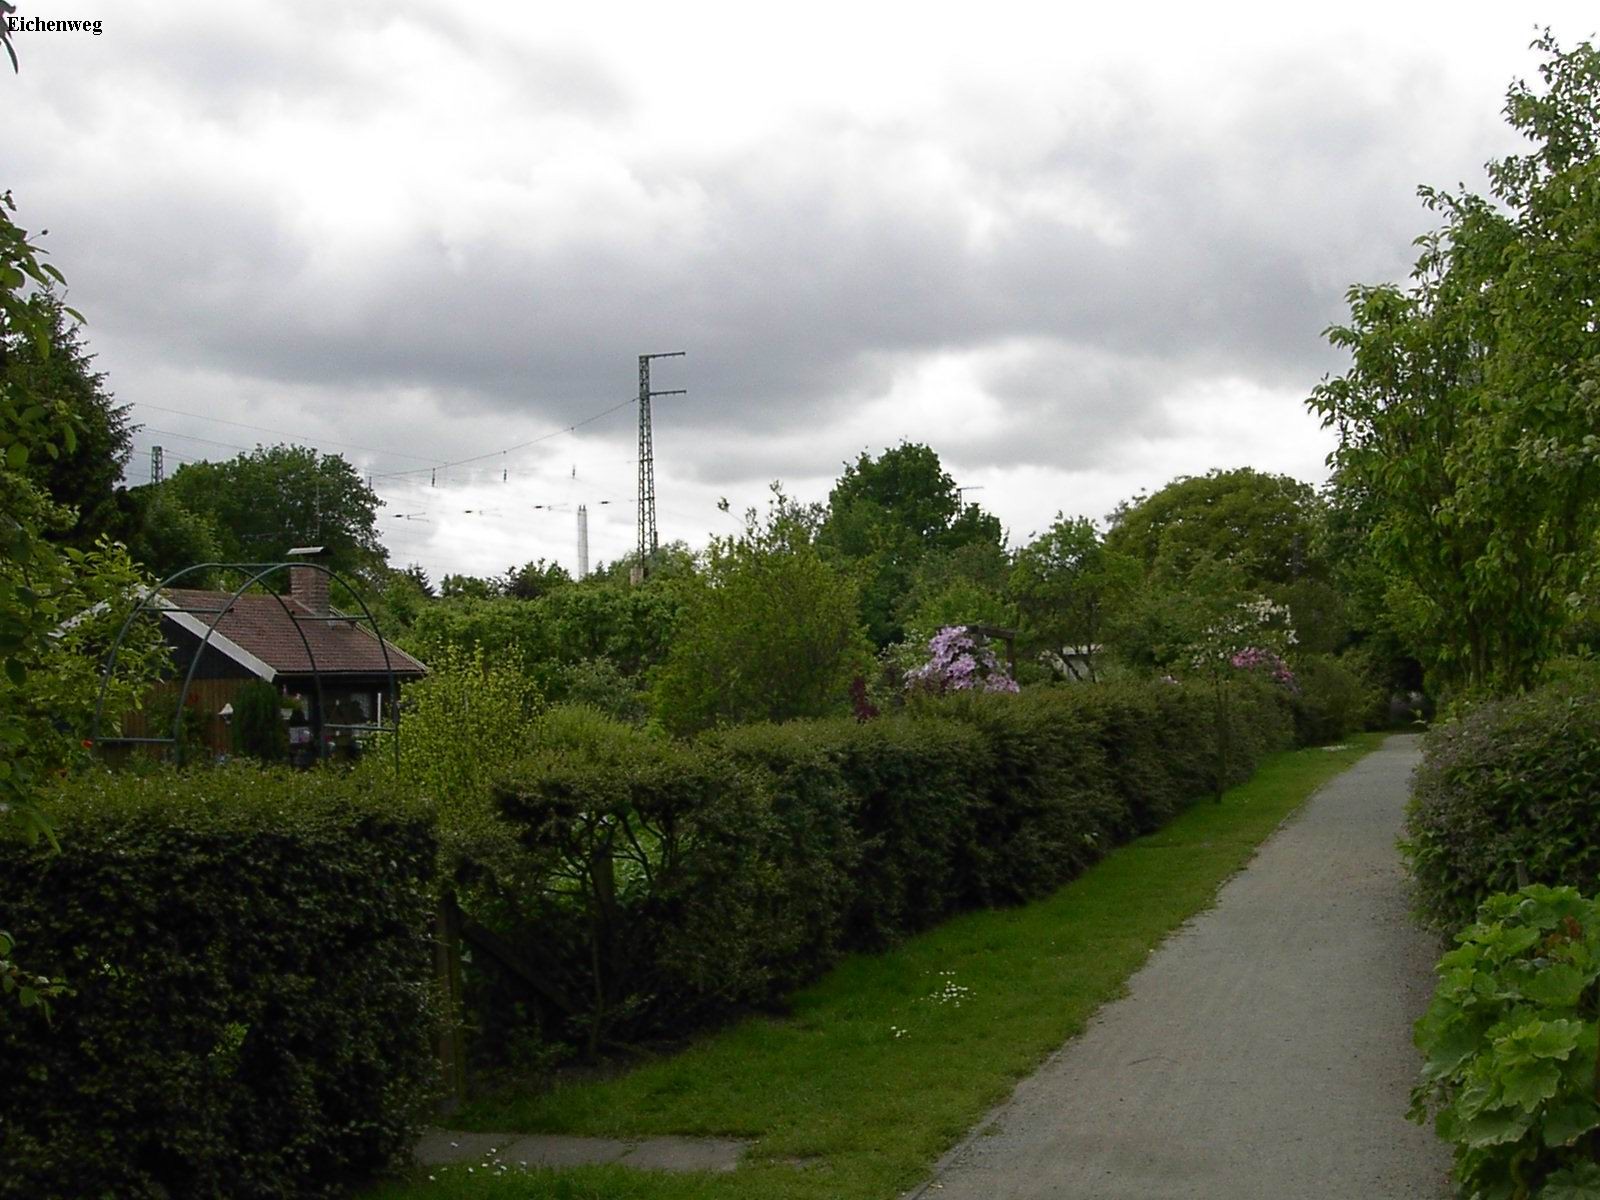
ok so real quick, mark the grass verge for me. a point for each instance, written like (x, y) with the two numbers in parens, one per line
(886, 1062)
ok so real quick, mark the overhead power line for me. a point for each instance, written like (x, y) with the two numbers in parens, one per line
(432, 469)
(178, 412)
(543, 437)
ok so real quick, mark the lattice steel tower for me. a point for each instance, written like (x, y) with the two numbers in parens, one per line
(158, 466)
(647, 463)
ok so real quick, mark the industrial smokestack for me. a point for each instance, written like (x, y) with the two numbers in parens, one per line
(583, 541)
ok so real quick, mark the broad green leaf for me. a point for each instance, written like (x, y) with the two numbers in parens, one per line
(1526, 1084)
(1556, 986)
(1567, 1120)
(1450, 1048)
(1578, 1182)
(1555, 1039)
(1496, 1128)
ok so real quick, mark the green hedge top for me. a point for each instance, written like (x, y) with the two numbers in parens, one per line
(683, 878)
(249, 956)
(236, 798)
(1514, 785)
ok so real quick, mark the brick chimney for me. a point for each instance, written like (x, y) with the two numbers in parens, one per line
(307, 584)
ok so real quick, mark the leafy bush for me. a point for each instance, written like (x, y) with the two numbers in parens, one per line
(630, 626)
(770, 632)
(258, 727)
(656, 845)
(912, 788)
(811, 841)
(461, 726)
(248, 958)
(1509, 793)
(1043, 803)
(599, 683)
(1148, 737)
(1510, 1043)
(1332, 700)
(671, 881)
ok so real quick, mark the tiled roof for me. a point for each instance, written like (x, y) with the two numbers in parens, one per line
(267, 629)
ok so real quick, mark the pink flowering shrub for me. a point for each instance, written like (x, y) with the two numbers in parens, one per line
(957, 662)
(1264, 662)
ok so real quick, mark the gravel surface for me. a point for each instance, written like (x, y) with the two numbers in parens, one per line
(1265, 1049)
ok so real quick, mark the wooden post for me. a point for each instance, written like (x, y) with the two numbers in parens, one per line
(447, 973)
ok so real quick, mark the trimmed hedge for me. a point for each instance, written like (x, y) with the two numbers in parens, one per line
(684, 879)
(1333, 700)
(250, 957)
(1514, 783)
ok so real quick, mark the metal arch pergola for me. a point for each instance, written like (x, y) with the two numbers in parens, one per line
(256, 572)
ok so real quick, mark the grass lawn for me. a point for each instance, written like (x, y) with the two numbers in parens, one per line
(889, 1060)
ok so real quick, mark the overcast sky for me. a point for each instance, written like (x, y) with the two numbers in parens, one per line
(1078, 255)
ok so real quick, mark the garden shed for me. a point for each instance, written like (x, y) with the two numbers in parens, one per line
(268, 637)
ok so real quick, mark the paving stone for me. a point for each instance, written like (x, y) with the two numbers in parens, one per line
(442, 1147)
(685, 1154)
(562, 1150)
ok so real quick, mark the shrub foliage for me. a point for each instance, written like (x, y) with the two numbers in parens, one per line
(258, 728)
(1510, 1042)
(679, 880)
(1510, 793)
(249, 965)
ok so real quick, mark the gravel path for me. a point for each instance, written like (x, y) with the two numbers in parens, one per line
(1263, 1052)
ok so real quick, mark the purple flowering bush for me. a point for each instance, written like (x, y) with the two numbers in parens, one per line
(1265, 663)
(959, 662)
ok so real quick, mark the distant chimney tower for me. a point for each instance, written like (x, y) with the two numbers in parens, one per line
(307, 584)
(583, 541)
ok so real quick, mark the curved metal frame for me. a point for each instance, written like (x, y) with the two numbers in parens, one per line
(260, 572)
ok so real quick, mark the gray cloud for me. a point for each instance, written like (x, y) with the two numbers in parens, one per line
(1082, 259)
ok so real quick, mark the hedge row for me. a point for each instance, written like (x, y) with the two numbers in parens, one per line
(249, 958)
(1509, 793)
(678, 880)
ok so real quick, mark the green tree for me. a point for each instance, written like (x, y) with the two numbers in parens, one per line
(1066, 586)
(886, 515)
(1163, 617)
(164, 536)
(470, 587)
(770, 631)
(963, 586)
(419, 580)
(535, 579)
(59, 372)
(1265, 524)
(59, 604)
(629, 626)
(265, 502)
(1467, 420)
(672, 560)
(1272, 529)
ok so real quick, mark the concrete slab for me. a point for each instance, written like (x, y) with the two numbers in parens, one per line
(685, 1154)
(561, 1150)
(442, 1147)
(1263, 1053)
